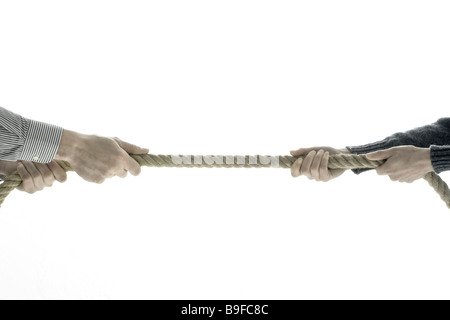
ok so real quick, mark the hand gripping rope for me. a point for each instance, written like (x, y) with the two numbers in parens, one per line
(338, 161)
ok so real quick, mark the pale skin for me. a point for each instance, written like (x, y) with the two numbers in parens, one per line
(402, 163)
(93, 158)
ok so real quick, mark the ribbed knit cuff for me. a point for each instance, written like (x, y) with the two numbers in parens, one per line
(440, 158)
(370, 147)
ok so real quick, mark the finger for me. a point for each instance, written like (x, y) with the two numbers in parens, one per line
(315, 165)
(380, 155)
(306, 165)
(122, 174)
(301, 152)
(385, 168)
(110, 174)
(99, 180)
(59, 173)
(323, 170)
(46, 174)
(35, 175)
(295, 169)
(132, 166)
(27, 181)
(394, 177)
(381, 170)
(412, 178)
(131, 148)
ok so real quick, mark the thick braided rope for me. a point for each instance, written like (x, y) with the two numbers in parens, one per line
(338, 161)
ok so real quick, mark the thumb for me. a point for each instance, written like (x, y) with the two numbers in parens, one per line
(380, 155)
(131, 148)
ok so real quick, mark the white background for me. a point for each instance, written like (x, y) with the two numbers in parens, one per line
(227, 77)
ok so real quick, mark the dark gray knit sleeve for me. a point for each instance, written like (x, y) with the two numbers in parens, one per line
(435, 136)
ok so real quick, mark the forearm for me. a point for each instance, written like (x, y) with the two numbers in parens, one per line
(430, 136)
(437, 133)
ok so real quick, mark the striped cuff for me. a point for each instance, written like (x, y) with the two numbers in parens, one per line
(42, 142)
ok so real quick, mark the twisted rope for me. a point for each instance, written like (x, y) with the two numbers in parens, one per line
(338, 161)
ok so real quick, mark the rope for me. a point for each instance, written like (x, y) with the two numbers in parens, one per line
(338, 161)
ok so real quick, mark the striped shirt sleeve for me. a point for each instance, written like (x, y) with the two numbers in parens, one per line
(27, 140)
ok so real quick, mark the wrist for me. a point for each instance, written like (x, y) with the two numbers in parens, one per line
(426, 159)
(344, 151)
(70, 141)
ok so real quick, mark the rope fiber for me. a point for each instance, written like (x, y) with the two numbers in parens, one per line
(337, 161)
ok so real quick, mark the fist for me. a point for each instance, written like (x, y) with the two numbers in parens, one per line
(37, 176)
(313, 163)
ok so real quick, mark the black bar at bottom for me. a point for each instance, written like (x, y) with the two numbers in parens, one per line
(226, 309)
